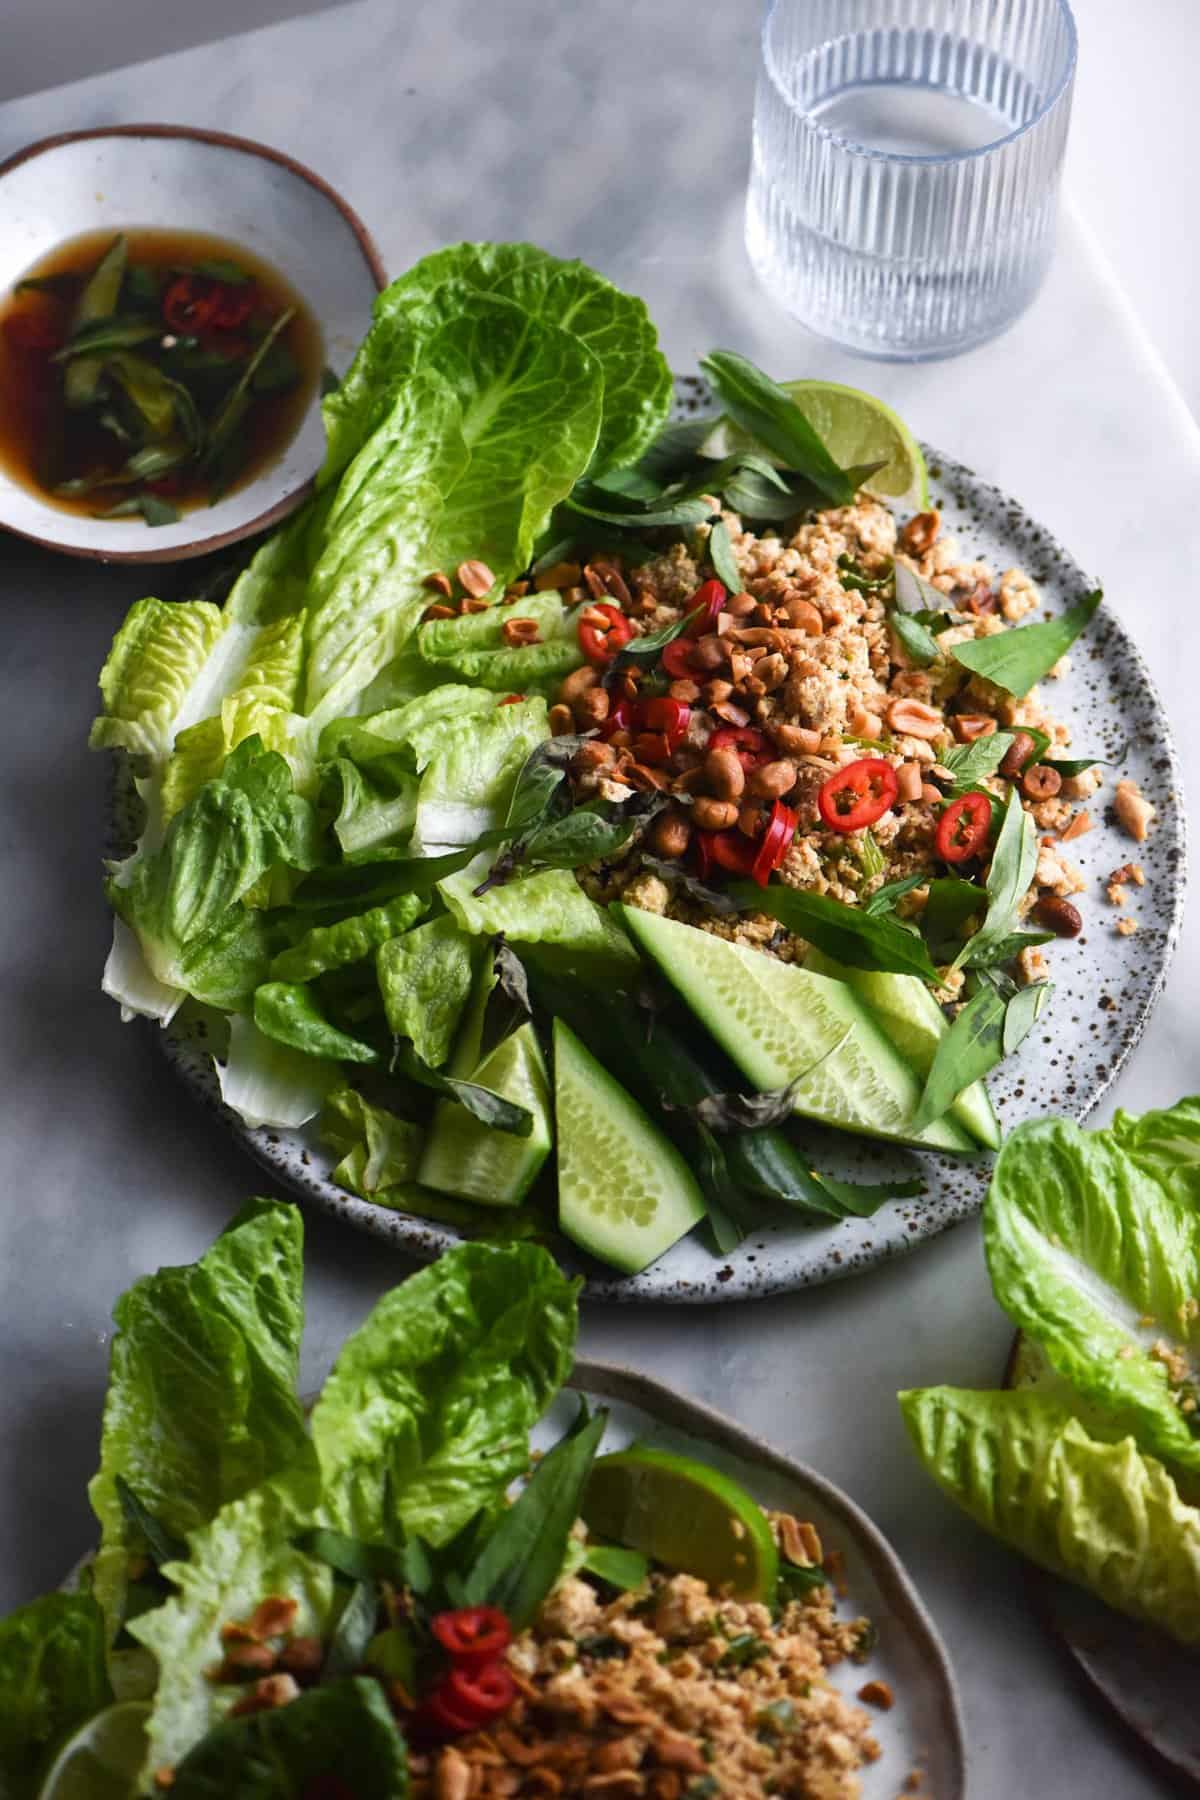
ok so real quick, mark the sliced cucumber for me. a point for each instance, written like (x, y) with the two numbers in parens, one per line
(624, 1191)
(775, 1019)
(912, 1020)
(463, 1155)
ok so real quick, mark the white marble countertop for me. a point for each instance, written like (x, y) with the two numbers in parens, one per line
(602, 132)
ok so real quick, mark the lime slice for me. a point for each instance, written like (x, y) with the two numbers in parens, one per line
(685, 1515)
(104, 1757)
(857, 428)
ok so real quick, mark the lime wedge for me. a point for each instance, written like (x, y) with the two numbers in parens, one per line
(103, 1759)
(857, 428)
(686, 1515)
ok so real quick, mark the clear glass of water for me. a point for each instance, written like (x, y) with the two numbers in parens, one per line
(906, 162)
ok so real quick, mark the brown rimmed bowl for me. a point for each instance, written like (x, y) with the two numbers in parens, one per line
(130, 176)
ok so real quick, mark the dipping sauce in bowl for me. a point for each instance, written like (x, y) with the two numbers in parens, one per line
(147, 372)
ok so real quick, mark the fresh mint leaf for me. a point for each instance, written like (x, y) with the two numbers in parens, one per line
(850, 934)
(1017, 659)
(720, 554)
(768, 413)
(523, 1556)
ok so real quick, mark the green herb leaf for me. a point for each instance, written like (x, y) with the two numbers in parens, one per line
(884, 899)
(107, 334)
(1016, 660)
(720, 555)
(354, 1560)
(971, 762)
(951, 901)
(973, 1045)
(850, 934)
(354, 1630)
(1023, 1011)
(864, 1198)
(856, 580)
(917, 641)
(620, 1568)
(798, 1580)
(746, 1648)
(489, 1108)
(235, 406)
(339, 1737)
(1013, 863)
(1005, 949)
(60, 287)
(288, 1012)
(870, 856)
(1077, 765)
(508, 1004)
(680, 512)
(220, 268)
(676, 449)
(916, 595)
(764, 409)
(522, 1558)
(146, 506)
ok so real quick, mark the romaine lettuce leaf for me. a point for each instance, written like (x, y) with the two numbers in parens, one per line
(439, 1388)
(378, 1149)
(469, 775)
(614, 326)
(128, 981)
(268, 1083)
(201, 1400)
(1102, 1514)
(341, 1737)
(181, 898)
(288, 1012)
(445, 640)
(52, 1679)
(425, 978)
(1097, 1257)
(369, 811)
(549, 908)
(327, 947)
(155, 658)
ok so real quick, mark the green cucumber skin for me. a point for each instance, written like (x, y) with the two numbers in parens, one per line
(657, 938)
(679, 1204)
(669, 1067)
(908, 1014)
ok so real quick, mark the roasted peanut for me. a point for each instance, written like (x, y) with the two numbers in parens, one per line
(605, 582)
(918, 535)
(517, 632)
(724, 774)
(983, 600)
(438, 611)
(912, 718)
(797, 740)
(591, 708)
(467, 605)
(969, 726)
(709, 814)
(710, 653)
(1059, 915)
(453, 1776)
(671, 834)
(516, 590)
(684, 690)
(750, 819)
(908, 781)
(638, 775)
(865, 724)
(731, 714)
(930, 794)
(773, 779)
(475, 578)
(266, 1695)
(771, 671)
(576, 683)
(804, 616)
(303, 1656)
(560, 575)
(1040, 782)
(560, 720)
(716, 691)
(592, 755)
(439, 582)
(741, 604)
(1017, 755)
(242, 1658)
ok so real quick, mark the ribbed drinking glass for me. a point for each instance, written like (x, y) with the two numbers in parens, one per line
(906, 164)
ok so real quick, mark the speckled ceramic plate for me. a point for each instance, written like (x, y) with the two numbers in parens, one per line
(1147, 1679)
(923, 1731)
(1105, 985)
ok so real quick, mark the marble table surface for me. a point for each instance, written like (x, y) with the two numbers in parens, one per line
(619, 134)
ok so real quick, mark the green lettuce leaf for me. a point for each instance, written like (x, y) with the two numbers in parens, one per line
(1098, 1259)
(425, 978)
(548, 908)
(1102, 1514)
(269, 1083)
(155, 658)
(288, 1012)
(615, 327)
(378, 1150)
(466, 783)
(342, 1735)
(201, 1401)
(52, 1679)
(439, 1388)
(327, 947)
(180, 899)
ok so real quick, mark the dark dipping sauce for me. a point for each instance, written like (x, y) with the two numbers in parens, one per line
(204, 365)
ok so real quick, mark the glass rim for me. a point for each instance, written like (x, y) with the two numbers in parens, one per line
(931, 159)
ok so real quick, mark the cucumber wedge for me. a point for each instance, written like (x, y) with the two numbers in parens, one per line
(624, 1191)
(912, 1020)
(464, 1156)
(774, 1020)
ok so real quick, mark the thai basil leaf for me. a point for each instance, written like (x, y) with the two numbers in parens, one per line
(1023, 1011)
(753, 495)
(627, 484)
(680, 512)
(722, 1198)
(916, 595)
(583, 836)
(768, 413)
(221, 268)
(677, 877)
(1006, 948)
(1013, 863)
(489, 1108)
(150, 507)
(234, 408)
(849, 934)
(1077, 765)
(883, 900)
(354, 1560)
(755, 1112)
(523, 1556)
(917, 641)
(720, 554)
(864, 1198)
(107, 334)
(161, 1546)
(1016, 660)
(508, 1004)
(857, 581)
(951, 901)
(354, 1630)
(973, 1045)
(620, 1568)
(870, 856)
(644, 651)
(971, 762)
(675, 449)
(65, 287)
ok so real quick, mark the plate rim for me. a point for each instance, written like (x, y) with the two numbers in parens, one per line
(224, 140)
(424, 1240)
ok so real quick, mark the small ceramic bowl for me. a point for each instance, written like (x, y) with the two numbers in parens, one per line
(203, 181)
